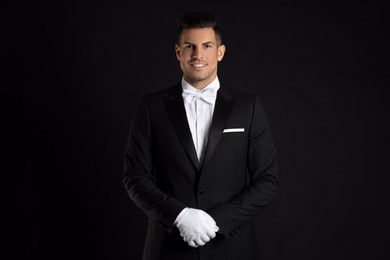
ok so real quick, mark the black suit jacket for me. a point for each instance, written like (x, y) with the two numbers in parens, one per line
(237, 178)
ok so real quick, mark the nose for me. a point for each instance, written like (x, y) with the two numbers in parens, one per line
(196, 54)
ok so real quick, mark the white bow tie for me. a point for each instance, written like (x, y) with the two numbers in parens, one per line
(207, 95)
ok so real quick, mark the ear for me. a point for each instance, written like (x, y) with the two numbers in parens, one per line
(221, 52)
(177, 51)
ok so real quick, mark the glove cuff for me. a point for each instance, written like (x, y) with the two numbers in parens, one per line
(180, 216)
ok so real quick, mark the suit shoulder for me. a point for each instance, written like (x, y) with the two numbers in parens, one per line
(242, 95)
(160, 94)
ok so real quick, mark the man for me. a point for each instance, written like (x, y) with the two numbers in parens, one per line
(200, 160)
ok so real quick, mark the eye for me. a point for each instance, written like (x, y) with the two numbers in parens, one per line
(188, 46)
(209, 45)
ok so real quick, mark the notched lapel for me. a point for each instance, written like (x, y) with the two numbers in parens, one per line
(177, 114)
(222, 110)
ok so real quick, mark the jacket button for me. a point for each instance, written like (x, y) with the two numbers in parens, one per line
(235, 231)
(161, 224)
(202, 190)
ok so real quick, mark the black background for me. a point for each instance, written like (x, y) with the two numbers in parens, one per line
(79, 69)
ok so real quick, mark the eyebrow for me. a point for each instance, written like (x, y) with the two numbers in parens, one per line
(209, 42)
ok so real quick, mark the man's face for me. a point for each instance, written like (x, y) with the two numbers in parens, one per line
(199, 54)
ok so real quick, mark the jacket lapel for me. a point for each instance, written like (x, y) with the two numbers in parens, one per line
(222, 110)
(177, 114)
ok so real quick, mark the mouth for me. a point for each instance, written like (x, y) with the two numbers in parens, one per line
(197, 65)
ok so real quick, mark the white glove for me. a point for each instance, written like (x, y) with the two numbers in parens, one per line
(196, 226)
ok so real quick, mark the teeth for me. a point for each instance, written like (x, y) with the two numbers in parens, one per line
(198, 65)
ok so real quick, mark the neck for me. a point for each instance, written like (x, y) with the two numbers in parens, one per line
(199, 84)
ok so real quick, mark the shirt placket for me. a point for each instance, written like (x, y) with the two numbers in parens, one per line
(198, 127)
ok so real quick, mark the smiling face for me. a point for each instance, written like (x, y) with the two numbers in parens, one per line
(199, 53)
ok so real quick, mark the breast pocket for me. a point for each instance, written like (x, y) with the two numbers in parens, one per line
(234, 134)
(233, 130)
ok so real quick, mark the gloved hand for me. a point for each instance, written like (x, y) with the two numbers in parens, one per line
(196, 226)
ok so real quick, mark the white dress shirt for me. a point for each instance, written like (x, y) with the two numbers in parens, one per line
(199, 116)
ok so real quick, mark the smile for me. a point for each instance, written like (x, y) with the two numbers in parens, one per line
(198, 65)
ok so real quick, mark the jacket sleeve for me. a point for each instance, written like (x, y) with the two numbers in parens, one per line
(138, 177)
(264, 178)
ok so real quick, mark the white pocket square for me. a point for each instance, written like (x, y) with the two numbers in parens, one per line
(233, 130)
